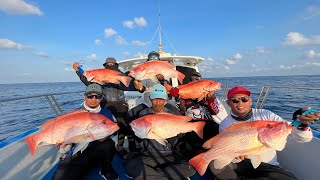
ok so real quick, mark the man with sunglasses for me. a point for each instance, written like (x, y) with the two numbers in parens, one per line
(80, 158)
(240, 103)
(114, 98)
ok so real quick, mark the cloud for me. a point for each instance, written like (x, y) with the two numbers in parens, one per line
(68, 63)
(26, 74)
(97, 42)
(311, 12)
(312, 54)
(262, 50)
(92, 56)
(125, 53)
(68, 69)
(226, 67)
(41, 54)
(128, 24)
(19, 7)
(120, 40)
(287, 67)
(138, 43)
(140, 21)
(140, 54)
(210, 59)
(110, 32)
(253, 65)
(297, 39)
(313, 64)
(237, 56)
(231, 62)
(8, 44)
(136, 22)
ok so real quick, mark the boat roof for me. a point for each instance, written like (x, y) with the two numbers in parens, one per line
(129, 64)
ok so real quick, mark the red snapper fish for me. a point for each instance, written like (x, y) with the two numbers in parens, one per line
(105, 76)
(198, 89)
(75, 127)
(250, 139)
(150, 69)
(162, 126)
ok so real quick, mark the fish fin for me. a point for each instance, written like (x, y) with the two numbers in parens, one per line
(198, 128)
(203, 95)
(80, 146)
(221, 163)
(32, 142)
(73, 139)
(255, 160)
(180, 77)
(126, 80)
(162, 141)
(200, 163)
(207, 144)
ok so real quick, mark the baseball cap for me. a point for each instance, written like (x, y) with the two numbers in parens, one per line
(158, 91)
(94, 88)
(238, 90)
(110, 60)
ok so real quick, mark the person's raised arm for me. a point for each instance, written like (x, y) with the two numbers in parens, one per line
(80, 72)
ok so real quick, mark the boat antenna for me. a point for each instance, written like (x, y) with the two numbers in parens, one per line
(159, 29)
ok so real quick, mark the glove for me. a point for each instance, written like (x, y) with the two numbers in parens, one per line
(174, 92)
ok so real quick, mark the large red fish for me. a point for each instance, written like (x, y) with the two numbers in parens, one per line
(150, 69)
(162, 126)
(250, 139)
(105, 76)
(75, 127)
(197, 89)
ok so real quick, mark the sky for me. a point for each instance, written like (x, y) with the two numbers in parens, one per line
(40, 39)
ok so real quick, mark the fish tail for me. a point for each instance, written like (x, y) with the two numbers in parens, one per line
(125, 80)
(32, 142)
(199, 163)
(180, 77)
(198, 128)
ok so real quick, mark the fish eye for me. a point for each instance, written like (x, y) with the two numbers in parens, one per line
(269, 126)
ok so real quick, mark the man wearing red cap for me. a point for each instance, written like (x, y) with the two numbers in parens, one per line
(240, 103)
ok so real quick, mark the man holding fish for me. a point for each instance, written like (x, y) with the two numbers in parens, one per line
(248, 139)
(160, 130)
(84, 136)
(114, 83)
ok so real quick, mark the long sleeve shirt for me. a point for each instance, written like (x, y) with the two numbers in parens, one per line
(262, 114)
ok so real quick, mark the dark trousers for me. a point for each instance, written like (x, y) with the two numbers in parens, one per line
(244, 170)
(164, 167)
(120, 110)
(96, 154)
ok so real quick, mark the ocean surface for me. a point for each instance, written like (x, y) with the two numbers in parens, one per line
(20, 115)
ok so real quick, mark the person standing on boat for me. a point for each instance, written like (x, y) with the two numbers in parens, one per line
(114, 98)
(240, 103)
(79, 159)
(159, 161)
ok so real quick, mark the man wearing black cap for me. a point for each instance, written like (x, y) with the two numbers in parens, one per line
(114, 97)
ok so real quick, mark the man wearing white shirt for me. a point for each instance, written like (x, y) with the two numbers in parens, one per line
(240, 103)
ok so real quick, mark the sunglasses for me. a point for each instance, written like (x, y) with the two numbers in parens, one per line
(90, 96)
(153, 58)
(237, 100)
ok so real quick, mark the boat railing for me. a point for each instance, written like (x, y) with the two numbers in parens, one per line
(52, 101)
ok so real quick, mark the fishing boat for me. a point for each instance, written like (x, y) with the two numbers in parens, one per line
(16, 161)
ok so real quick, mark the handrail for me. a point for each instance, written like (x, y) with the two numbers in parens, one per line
(29, 97)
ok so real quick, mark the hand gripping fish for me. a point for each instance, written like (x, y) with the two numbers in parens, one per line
(250, 139)
(162, 126)
(75, 127)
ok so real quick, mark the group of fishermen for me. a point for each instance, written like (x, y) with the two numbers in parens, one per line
(154, 160)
